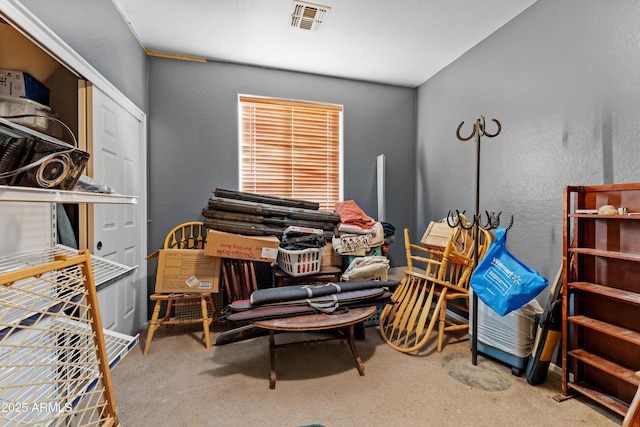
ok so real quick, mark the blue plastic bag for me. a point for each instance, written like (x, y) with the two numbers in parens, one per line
(502, 281)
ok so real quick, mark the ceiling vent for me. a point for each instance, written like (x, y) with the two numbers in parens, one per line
(308, 16)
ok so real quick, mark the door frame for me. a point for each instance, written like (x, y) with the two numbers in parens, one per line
(24, 21)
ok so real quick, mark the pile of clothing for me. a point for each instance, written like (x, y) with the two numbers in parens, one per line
(361, 239)
(356, 233)
(296, 238)
(366, 267)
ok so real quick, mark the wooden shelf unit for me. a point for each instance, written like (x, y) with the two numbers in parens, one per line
(601, 295)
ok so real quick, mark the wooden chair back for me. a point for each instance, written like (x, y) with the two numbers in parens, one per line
(449, 266)
(423, 261)
(189, 235)
(459, 266)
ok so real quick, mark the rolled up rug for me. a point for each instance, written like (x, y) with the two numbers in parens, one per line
(292, 293)
(245, 304)
(328, 304)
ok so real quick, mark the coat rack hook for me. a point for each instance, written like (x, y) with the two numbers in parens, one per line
(473, 132)
(479, 129)
(452, 221)
(484, 129)
(493, 221)
(510, 223)
(488, 225)
(459, 220)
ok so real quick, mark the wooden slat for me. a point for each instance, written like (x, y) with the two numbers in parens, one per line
(604, 188)
(632, 217)
(246, 278)
(626, 256)
(254, 280)
(607, 328)
(226, 274)
(607, 366)
(607, 291)
(612, 403)
(237, 293)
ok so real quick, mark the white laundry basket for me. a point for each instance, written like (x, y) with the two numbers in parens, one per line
(300, 262)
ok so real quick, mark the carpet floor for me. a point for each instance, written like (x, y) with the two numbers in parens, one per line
(181, 383)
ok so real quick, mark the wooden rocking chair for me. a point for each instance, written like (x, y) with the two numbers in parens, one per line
(425, 294)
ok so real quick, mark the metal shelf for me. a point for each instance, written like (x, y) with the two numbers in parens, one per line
(53, 350)
(28, 194)
(105, 272)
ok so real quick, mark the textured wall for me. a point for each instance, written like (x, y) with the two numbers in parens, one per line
(194, 137)
(564, 80)
(96, 30)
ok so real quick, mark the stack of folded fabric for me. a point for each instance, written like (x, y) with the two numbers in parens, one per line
(356, 232)
(300, 300)
(366, 268)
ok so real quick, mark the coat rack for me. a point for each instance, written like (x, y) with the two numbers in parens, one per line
(493, 220)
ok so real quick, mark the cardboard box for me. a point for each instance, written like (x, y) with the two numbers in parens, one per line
(331, 257)
(23, 85)
(438, 234)
(186, 270)
(240, 246)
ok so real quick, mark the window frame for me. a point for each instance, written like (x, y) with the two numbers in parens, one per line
(244, 99)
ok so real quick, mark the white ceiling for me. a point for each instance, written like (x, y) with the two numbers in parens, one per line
(401, 42)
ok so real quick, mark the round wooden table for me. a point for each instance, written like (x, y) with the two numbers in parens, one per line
(316, 322)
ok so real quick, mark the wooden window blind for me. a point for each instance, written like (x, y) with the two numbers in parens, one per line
(291, 149)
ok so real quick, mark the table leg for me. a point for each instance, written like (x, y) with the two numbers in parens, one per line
(272, 353)
(353, 350)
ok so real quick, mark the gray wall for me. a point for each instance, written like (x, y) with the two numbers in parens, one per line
(194, 137)
(192, 116)
(96, 30)
(563, 78)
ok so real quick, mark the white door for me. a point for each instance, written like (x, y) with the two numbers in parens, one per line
(119, 230)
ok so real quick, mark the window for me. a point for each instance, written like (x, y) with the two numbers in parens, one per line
(291, 149)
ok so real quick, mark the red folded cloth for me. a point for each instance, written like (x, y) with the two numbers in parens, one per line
(350, 213)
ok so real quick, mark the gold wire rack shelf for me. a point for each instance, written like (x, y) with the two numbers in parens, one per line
(55, 358)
